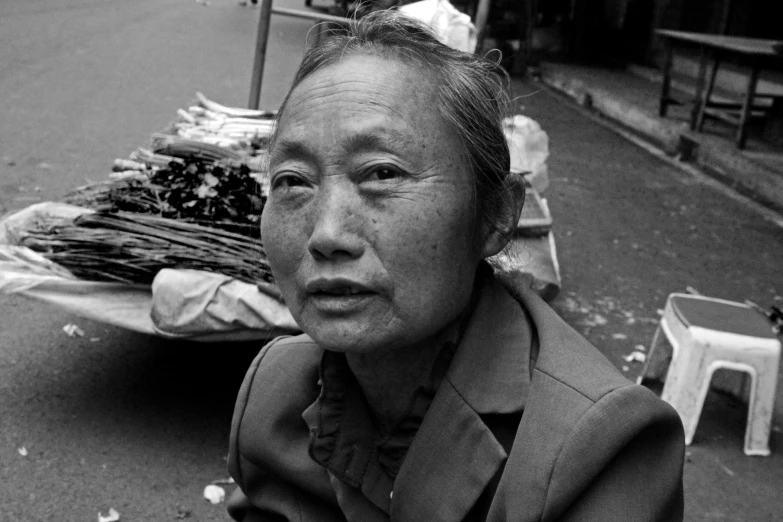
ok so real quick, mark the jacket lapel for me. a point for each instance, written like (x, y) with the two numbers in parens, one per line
(451, 460)
(454, 454)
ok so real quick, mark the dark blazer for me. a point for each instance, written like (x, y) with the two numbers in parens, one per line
(590, 445)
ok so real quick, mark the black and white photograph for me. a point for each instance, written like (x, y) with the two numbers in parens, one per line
(391, 260)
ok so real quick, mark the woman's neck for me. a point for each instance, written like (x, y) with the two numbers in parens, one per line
(390, 379)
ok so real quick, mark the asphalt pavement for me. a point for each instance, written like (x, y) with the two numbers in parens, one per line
(119, 420)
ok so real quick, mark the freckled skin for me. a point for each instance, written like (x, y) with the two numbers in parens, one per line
(393, 213)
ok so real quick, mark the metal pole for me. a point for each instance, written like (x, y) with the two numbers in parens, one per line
(258, 61)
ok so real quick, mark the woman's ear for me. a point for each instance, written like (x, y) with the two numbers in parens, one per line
(507, 209)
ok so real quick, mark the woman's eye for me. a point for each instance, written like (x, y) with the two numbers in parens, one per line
(384, 173)
(288, 181)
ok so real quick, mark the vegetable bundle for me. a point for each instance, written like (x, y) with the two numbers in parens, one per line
(244, 130)
(211, 194)
(193, 200)
(132, 248)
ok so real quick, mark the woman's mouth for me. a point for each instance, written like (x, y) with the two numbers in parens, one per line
(342, 290)
(338, 296)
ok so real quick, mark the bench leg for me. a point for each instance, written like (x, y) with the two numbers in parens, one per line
(707, 94)
(698, 95)
(663, 103)
(747, 106)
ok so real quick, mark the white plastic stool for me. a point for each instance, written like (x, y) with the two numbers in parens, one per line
(707, 334)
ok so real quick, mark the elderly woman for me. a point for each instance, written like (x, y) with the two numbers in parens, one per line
(424, 389)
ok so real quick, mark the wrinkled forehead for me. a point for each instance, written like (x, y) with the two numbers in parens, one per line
(391, 69)
(365, 87)
(365, 100)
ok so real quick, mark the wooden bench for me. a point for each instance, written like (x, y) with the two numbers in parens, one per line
(752, 53)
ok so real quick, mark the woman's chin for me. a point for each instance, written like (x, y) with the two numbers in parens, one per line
(346, 335)
(342, 339)
(343, 324)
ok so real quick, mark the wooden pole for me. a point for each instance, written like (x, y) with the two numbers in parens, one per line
(262, 38)
(725, 17)
(482, 14)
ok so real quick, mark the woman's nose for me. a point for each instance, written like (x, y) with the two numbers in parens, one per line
(337, 227)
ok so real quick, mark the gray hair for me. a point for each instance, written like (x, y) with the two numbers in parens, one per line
(471, 91)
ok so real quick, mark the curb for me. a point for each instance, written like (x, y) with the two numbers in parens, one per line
(748, 177)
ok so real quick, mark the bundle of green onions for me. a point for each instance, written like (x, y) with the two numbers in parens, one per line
(132, 248)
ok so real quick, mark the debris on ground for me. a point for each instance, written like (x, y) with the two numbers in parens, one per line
(619, 336)
(72, 330)
(635, 357)
(774, 314)
(22, 451)
(603, 307)
(215, 494)
(595, 320)
(224, 482)
(182, 513)
(113, 516)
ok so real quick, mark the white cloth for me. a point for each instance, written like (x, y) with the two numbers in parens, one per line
(453, 27)
(529, 148)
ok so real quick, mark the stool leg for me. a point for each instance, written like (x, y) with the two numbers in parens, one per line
(762, 401)
(686, 386)
(650, 353)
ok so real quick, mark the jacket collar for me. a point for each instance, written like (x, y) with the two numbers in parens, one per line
(454, 454)
(491, 369)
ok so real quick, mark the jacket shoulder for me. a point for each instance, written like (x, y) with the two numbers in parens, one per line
(280, 384)
(574, 455)
(280, 370)
(582, 414)
(621, 460)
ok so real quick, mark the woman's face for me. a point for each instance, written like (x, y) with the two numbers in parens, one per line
(369, 223)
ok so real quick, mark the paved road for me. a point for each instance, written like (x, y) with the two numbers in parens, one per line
(120, 420)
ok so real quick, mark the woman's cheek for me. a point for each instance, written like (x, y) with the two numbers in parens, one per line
(279, 235)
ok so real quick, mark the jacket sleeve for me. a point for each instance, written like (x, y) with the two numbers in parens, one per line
(622, 461)
(239, 506)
